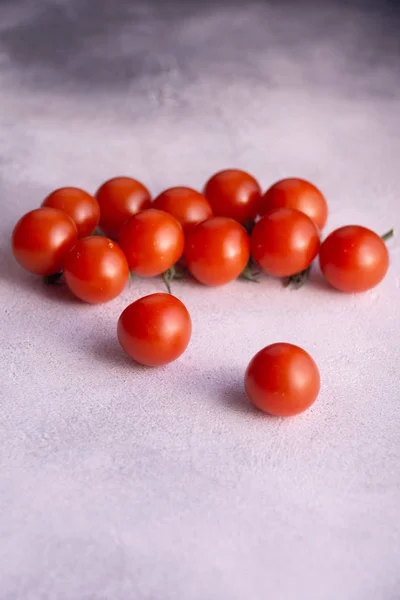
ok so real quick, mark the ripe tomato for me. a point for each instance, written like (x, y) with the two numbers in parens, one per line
(152, 241)
(235, 194)
(42, 238)
(353, 259)
(155, 330)
(120, 198)
(186, 205)
(217, 250)
(298, 194)
(284, 242)
(79, 205)
(96, 269)
(282, 380)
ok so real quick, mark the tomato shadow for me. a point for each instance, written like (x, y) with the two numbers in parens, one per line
(233, 397)
(108, 351)
(20, 280)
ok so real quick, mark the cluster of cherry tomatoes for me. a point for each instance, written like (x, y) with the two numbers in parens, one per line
(95, 242)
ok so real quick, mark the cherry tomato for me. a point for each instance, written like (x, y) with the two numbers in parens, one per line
(284, 242)
(235, 194)
(96, 269)
(79, 205)
(42, 238)
(155, 330)
(217, 250)
(120, 198)
(353, 259)
(153, 242)
(186, 205)
(298, 194)
(282, 380)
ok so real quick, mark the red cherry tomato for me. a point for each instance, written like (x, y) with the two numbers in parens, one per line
(186, 205)
(42, 238)
(353, 259)
(152, 241)
(235, 194)
(217, 251)
(96, 270)
(282, 380)
(155, 330)
(298, 194)
(119, 199)
(79, 205)
(284, 242)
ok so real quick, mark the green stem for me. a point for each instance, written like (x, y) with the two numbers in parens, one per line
(389, 234)
(168, 276)
(298, 279)
(53, 279)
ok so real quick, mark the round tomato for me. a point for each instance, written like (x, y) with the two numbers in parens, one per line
(96, 269)
(120, 198)
(153, 242)
(155, 330)
(79, 205)
(235, 194)
(298, 194)
(186, 205)
(282, 380)
(42, 238)
(217, 250)
(353, 259)
(284, 242)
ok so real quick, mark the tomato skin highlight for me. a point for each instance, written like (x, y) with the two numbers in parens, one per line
(284, 242)
(282, 380)
(155, 330)
(96, 270)
(119, 199)
(217, 251)
(42, 238)
(152, 241)
(79, 205)
(353, 259)
(235, 194)
(188, 206)
(298, 194)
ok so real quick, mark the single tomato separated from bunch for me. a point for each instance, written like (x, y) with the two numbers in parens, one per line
(188, 206)
(298, 194)
(120, 198)
(353, 259)
(217, 251)
(41, 240)
(96, 270)
(235, 194)
(79, 205)
(282, 380)
(284, 242)
(155, 330)
(152, 241)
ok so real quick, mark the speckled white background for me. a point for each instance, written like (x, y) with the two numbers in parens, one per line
(121, 483)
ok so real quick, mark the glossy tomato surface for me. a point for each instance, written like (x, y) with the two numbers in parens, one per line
(152, 241)
(217, 251)
(42, 238)
(284, 242)
(155, 330)
(188, 206)
(96, 270)
(353, 259)
(79, 205)
(120, 198)
(235, 194)
(298, 194)
(282, 380)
